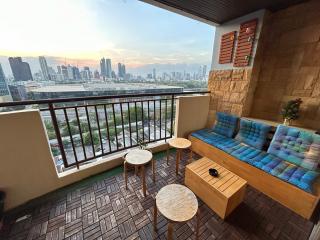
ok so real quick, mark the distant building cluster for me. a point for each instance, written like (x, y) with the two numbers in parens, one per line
(23, 82)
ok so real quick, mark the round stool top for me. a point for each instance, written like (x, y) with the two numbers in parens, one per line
(177, 203)
(181, 143)
(138, 157)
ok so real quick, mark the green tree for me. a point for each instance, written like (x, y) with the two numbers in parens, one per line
(48, 125)
(133, 114)
(55, 151)
(51, 135)
(84, 126)
(87, 138)
(73, 130)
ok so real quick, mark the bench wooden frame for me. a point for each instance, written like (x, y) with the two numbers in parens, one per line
(299, 201)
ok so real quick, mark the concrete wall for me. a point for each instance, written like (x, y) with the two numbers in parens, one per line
(27, 169)
(290, 64)
(191, 114)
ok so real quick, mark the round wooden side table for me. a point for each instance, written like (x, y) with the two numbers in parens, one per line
(139, 158)
(176, 203)
(179, 144)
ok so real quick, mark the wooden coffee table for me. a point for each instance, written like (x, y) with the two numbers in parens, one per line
(176, 203)
(139, 158)
(179, 144)
(223, 193)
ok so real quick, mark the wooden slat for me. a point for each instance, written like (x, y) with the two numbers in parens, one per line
(227, 47)
(244, 48)
(220, 183)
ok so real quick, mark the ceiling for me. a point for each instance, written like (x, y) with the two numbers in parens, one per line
(220, 11)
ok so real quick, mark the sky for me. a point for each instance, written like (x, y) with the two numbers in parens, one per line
(80, 32)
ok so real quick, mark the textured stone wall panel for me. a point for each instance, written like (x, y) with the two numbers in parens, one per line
(290, 64)
(229, 91)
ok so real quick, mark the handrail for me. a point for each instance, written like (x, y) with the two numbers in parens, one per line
(143, 115)
(76, 99)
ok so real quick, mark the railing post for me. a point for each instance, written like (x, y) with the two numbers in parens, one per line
(58, 135)
(172, 103)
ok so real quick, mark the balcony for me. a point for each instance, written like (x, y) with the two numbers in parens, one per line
(49, 200)
(62, 159)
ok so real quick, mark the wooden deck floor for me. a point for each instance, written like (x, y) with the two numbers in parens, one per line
(104, 209)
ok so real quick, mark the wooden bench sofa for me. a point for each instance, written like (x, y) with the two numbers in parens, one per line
(302, 202)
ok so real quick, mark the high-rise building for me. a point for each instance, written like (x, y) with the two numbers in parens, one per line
(96, 74)
(121, 70)
(64, 72)
(18, 92)
(103, 68)
(154, 73)
(59, 69)
(3, 84)
(108, 68)
(113, 75)
(86, 73)
(204, 71)
(70, 72)
(21, 70)
(76, 73)
(44, 68)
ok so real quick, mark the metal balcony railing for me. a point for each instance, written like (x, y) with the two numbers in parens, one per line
(85, 128)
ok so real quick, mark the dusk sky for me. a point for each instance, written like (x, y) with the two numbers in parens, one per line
(83, 31)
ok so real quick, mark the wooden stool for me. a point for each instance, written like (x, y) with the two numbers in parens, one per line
(139, 158)
(179, 144)
(176, 203)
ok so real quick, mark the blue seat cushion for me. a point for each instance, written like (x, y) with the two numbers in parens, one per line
(297, 176)
(214, 139)
(245, 153)
(286, 171)
(296, 146)
(253, 133)
(226, 124)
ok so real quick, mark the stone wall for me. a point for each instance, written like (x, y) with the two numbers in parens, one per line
(229, 92)
(290, 64)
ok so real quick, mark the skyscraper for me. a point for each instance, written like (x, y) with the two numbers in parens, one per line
(64, 72)
(21, 70)
(154, 73)
(70, 72)
(18, 92)
(121, 70)
(44, 68)
(103, 68)
(96, 74)
(204, 71)
(108, 68)
(76, 73)
(87, 73)
(3, 84)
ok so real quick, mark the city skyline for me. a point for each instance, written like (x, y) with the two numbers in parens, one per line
(134, 33)
(35, 66)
